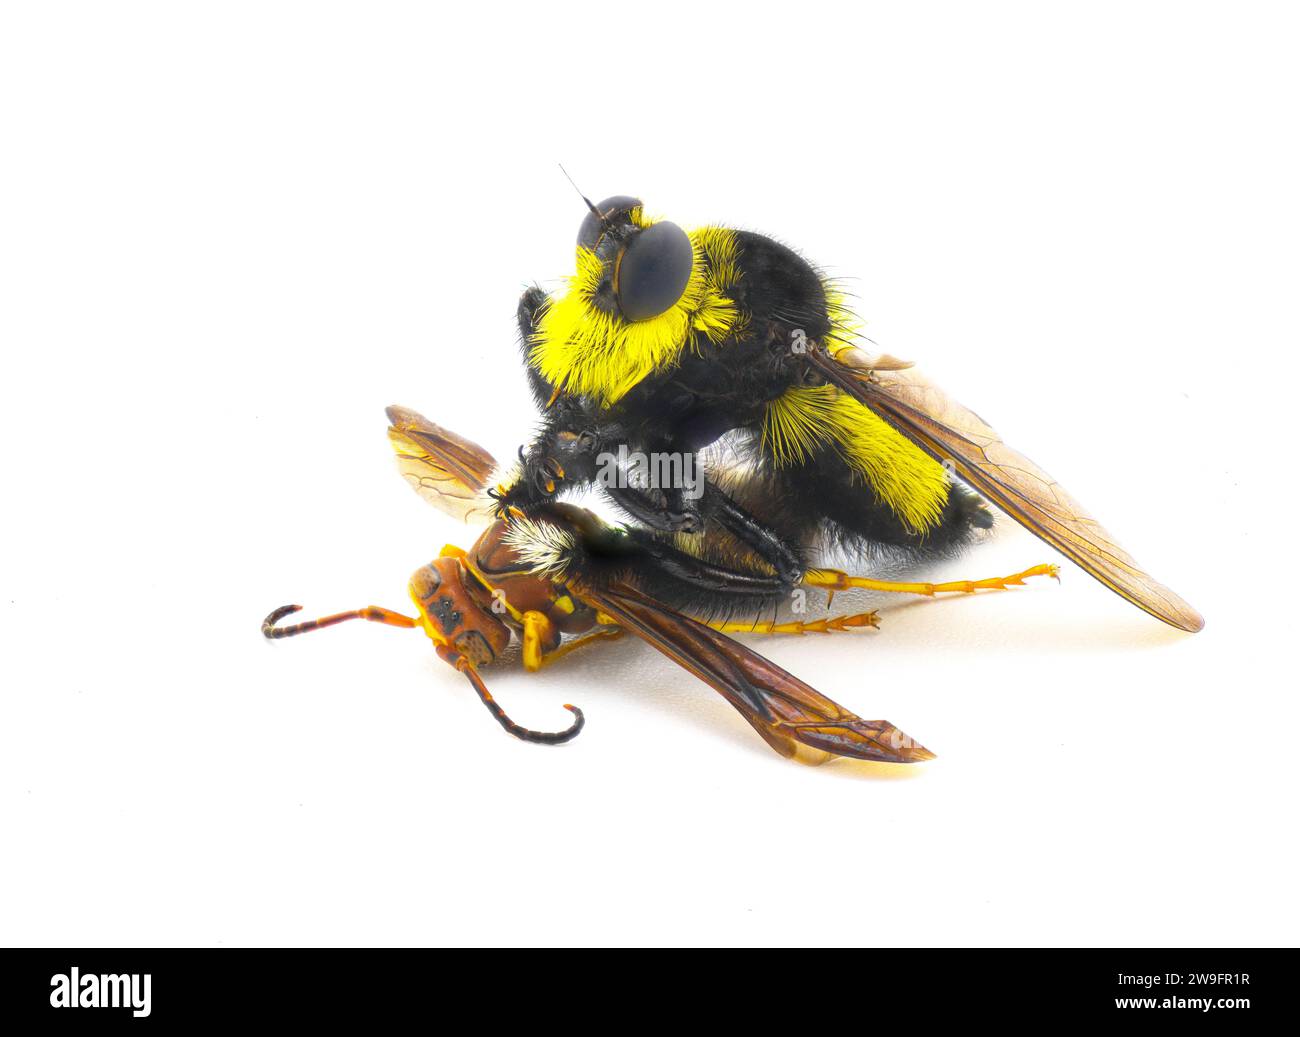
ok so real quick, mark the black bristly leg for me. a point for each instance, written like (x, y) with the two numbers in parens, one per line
(567, 451)
(665, 510)
(679, 579)
(573, 434)
(641, 505)
(670, 511)
(759, 537)
(530, 306)
(701, 575)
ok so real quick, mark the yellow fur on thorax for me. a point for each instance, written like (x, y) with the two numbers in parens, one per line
(585, 351)
(904, 478)
(908, 481)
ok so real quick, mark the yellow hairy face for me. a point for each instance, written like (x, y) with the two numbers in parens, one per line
(582, 350)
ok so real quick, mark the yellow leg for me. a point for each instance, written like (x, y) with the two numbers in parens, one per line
(611, 634)
(833, 580)
(830, 624)
(538, 632)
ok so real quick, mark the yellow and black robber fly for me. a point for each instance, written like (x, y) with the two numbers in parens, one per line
(560, 572)
(666, 341)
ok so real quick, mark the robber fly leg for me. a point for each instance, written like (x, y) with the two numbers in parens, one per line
(664, 510)
(758, 537)
(672, 511)
(567, 452)
(701, 575)
(531, 304)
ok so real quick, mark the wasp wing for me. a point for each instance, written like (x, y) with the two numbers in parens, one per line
(448, 471)
(792, 717)
(948, 431)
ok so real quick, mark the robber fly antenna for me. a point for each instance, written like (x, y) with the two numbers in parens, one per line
(527, 734)
(583, 196)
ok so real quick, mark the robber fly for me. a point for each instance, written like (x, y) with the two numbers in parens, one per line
(559, 578)
(666, 340)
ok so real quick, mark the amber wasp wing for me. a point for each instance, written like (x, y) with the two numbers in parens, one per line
(445, 469)
(952, 433)
(794, 718)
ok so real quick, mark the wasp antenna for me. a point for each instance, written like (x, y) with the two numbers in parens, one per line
(269, 629)
(525, 733)
(373, 613)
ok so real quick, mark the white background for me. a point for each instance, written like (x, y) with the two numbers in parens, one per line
(230, 234)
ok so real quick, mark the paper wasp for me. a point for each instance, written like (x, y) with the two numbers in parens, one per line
(561, 572)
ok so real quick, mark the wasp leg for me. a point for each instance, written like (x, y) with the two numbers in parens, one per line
(833, 580)
(830, 624)
(608, 634)
(373, 613)
(539, 632)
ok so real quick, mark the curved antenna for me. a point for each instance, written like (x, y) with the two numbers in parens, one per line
(526, 733)
(371, 612)
(381, 615)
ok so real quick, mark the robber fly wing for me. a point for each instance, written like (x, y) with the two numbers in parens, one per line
(950, 432)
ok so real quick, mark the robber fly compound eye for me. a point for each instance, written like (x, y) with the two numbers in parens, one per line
(653, 270)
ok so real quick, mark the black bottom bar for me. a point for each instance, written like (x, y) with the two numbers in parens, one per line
(696, 988)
